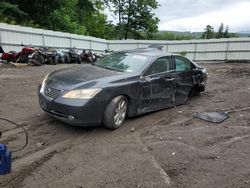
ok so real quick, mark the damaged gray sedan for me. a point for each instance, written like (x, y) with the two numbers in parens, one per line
(122, 84)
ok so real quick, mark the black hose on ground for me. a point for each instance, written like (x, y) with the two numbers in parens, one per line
(26, 134)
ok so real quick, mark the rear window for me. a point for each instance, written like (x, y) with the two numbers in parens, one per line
(182, 64)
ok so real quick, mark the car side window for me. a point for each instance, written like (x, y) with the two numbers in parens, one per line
(159, 65)
(182, 64)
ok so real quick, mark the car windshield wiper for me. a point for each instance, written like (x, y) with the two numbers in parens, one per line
(109, 68)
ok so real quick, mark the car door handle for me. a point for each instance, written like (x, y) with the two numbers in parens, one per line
(169, 79)
(148, 79)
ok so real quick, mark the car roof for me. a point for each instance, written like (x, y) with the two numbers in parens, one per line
(150, 51)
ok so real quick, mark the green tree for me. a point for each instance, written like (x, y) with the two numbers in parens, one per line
(226, 33)
(135, 17)
(208, 33)
(164, 35)
(62, 20)
(92, 17)
(74, 16)
(10, 13)
(220, 33)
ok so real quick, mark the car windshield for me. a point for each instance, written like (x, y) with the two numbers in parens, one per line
(123, 62)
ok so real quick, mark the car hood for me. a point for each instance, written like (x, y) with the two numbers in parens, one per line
(77, 76)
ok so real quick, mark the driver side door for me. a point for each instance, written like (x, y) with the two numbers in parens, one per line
(157, 85)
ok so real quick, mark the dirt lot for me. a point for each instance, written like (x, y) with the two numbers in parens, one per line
(168, 148)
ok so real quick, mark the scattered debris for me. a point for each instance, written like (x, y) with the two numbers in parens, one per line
(218, 101)
(139, 185)
(244, 91)
(241, 115)
(173, 154)
(214, 117)
(179, 111)
(41, 144)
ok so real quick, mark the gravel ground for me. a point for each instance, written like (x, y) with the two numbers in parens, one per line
(168, 148)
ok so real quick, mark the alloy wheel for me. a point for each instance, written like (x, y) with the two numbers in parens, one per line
(120, 112)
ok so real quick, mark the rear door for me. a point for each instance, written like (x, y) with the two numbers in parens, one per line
(185, 71)
(157, 85)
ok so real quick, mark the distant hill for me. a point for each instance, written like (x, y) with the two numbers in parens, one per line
(185, 33)
(243, 33)
(197, 35)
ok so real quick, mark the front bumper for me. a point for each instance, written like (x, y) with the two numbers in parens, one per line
(73, 112)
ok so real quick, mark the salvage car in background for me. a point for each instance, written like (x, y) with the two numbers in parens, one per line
(126, 83)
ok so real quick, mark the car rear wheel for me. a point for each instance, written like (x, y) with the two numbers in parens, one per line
(115, 112)
(196, 90)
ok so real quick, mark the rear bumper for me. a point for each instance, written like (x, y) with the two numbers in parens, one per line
(73, 112)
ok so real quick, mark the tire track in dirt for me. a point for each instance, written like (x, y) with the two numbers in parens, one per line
(15, 179)
(28, 163)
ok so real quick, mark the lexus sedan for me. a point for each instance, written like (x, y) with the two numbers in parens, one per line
(122, 84)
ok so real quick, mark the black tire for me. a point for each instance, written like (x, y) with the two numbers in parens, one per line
(56, 59)
(66, 59)
(79, 60)
(26, 58)
(52, 61)
(41, 59)
(196, 90)
(9, 59)
(109, 120)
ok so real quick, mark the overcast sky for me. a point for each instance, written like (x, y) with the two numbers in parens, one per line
(194, 15)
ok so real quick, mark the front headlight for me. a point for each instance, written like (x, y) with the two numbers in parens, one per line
(43, 83)
(82, 93)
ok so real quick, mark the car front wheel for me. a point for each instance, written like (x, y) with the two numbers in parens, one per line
(115, 112)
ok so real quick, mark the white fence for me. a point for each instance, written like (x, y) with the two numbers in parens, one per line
(12, 36)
